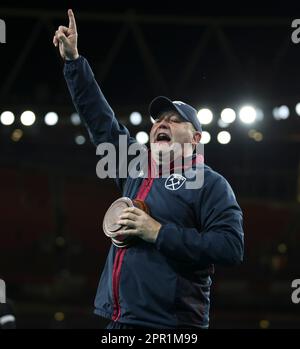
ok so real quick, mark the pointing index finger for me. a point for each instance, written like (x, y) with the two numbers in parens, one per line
(72, 22)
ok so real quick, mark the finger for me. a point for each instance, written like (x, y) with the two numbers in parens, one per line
(128, 232)
(72, 22)
(127, 222)
(128, 215)
(62, 38)
(55, 42)
(56, 35)
(63, 29)
(133, 210)
(55, 39)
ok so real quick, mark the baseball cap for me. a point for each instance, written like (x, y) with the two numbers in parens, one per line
(161, 104)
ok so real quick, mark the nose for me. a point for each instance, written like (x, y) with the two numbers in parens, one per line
(162, 124)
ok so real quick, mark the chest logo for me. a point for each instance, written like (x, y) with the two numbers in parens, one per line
(174, 182)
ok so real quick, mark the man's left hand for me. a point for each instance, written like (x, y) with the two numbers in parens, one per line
(139, 223)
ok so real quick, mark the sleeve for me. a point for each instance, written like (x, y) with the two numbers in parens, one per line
(91, 105)
(220, 239)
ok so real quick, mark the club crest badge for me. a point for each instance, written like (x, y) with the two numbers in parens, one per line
(174, 181)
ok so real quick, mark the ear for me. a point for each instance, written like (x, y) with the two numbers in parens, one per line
(196, 137)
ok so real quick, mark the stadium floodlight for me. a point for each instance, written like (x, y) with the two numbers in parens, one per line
(283, 112)
(27, 118)
(297, 108)
(228, 115)
(80, 139)
(275, 113)
(258, 136)
(205, 116)
(205, 137)
(224, 137)
(75, 119)
(135, 118)
(142, 137)
(247, 114)
(7, 118)
(16, 135)
(51, 119)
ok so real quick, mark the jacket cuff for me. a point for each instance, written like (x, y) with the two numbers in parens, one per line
(73, 63)
(166, 238)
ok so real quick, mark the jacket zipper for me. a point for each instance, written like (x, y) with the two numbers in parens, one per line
(116, 274)
(116, 282)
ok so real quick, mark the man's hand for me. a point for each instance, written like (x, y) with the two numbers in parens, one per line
(139, 223)
(66, 39)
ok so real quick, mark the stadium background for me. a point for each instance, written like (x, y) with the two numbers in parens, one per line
(52, 248)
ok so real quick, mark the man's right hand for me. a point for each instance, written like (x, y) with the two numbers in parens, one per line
(66, 39)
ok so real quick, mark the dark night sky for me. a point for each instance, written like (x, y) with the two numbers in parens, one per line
(192, 7)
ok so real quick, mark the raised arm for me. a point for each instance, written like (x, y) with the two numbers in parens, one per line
(87, 97)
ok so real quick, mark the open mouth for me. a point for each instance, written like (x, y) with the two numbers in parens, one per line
(162, 137)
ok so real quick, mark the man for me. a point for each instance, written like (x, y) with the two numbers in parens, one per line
(163, 280)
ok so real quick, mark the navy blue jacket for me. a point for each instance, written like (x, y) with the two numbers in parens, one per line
(165, 284)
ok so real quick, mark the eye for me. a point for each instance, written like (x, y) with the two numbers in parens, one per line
(175, 120)
(158, 120)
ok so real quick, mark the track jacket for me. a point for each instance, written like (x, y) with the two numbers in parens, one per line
(165, 284)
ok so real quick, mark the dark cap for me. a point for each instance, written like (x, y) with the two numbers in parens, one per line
(162, 104)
